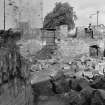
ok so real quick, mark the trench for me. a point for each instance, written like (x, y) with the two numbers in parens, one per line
(77, 92)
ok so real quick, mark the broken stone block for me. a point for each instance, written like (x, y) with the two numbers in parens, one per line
(58, 75)
(60, 83)
(96, 98)
(42, 88)
(78, 84)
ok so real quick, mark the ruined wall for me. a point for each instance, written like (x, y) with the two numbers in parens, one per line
(72, 48)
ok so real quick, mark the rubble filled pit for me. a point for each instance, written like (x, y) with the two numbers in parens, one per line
(62, 80)
(67, 75)
(67, 90)
(68, 85)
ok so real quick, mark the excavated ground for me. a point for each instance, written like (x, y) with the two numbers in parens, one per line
(75, 86)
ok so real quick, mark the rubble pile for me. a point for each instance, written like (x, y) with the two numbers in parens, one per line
(44, 53)
(44, 65)
(76, 78)
(81, 79)
(73, 90)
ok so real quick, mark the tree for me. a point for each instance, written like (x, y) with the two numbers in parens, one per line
(62, 14)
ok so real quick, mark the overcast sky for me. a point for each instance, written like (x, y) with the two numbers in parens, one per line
(83, 9)
(32, 11)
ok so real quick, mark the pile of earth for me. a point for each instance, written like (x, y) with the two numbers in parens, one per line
(45, 53)
(70, 90)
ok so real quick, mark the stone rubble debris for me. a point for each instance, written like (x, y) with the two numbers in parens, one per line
(79, 80)
(85, 84)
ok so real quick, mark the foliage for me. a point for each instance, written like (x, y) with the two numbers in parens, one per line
(62, 14)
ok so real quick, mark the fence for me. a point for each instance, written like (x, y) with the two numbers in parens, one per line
(49, 36)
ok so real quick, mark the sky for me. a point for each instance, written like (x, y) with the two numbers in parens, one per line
(31, 11)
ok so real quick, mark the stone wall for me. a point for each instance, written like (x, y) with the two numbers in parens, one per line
(72, 48)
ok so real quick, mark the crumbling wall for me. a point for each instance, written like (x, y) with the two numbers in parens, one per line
(72, 90)
(73, 47)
